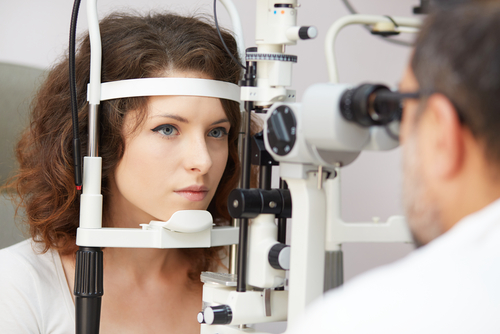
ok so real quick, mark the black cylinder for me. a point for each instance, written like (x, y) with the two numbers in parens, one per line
(88, 289)
(249, 203)
(265, 177)
(218, 315)
(88, 314)
(366, 105)
(282, 221)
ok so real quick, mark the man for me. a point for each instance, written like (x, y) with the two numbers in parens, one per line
(451, 159)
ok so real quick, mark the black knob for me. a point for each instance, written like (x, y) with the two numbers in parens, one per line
(279, 256)
(307, 32)
(218, 315)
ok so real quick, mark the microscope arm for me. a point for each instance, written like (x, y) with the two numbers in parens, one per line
(335, 28)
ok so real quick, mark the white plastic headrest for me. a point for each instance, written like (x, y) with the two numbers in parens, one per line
(169, 86)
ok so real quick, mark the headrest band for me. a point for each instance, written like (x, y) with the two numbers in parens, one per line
(169, 86)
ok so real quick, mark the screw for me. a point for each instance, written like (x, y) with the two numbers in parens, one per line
(272, 204)
(236, 203)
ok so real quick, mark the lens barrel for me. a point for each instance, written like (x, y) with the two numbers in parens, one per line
(369, 104)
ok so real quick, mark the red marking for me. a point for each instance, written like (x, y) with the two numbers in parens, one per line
(78, 187)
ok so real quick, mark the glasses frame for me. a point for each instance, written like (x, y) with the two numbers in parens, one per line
(397, 95)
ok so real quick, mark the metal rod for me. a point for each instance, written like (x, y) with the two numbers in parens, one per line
(233, 249)
(320, 177)
(245, 184)
(247, 149)
(233, 257)
(93, 142)
(265, 177)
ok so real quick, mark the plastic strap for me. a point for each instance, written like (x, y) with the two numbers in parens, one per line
(169, 86)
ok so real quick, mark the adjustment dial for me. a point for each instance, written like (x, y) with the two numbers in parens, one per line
(282, 130)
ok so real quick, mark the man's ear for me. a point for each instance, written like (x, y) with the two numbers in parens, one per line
(442, 137)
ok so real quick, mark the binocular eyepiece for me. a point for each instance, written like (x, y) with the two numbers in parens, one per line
(371, 104)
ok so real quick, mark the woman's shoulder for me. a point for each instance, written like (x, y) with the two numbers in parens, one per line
(27, 258)
(35, 294)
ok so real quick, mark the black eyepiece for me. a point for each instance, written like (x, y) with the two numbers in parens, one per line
(370, 104)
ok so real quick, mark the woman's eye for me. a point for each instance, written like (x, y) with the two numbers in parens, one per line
(218, 133)
(166, 130)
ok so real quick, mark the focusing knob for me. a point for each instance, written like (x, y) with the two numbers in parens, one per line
(217, 315)
(282, 130)
(279, 256)
(308, 32)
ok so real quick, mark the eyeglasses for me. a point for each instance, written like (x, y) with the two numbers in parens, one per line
(386, 102)
(375, 104)
(394, 100)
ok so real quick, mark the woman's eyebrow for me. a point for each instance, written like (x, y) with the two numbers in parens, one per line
(176, 117)
(183, 120)
(223, 120)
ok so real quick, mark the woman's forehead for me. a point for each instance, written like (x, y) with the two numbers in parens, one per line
(185, 108)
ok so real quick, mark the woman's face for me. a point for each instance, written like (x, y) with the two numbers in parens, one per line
(173, 161)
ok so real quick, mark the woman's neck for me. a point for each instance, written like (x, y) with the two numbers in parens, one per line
(142, 264)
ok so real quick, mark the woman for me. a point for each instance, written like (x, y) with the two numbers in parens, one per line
(160, 155)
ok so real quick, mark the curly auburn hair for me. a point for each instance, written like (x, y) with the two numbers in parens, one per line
(133, 46)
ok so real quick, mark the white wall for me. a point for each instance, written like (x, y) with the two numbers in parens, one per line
(35, 32)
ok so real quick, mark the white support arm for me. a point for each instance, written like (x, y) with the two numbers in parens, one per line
(357, 19)
(156, 238)
(307, 259)
(237, 27)
(339, 232)
(185, 229)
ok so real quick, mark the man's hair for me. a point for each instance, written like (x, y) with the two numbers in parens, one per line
(458, 54)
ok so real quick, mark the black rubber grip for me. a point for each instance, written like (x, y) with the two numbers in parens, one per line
(88, 289)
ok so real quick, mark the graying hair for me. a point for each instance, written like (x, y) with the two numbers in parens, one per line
(458, 54)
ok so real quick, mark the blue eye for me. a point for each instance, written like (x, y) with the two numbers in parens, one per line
(166, 130)
(218, 132)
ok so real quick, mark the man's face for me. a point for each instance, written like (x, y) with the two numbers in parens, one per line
(422, 212)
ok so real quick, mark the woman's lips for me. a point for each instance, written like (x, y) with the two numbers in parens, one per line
(193, 193)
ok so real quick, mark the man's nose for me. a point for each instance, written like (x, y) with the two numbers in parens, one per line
(198, 158)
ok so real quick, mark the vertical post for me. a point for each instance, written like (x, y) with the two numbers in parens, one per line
(282, 221)
(334, 257)
(89, 260)
(243, 237)
(307, 258)
(265, 177)
(248, 80)
(233, 249)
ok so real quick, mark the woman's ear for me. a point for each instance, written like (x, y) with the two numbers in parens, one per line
(442, 138)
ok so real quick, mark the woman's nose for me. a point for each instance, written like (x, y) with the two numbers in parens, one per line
(198, 158)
